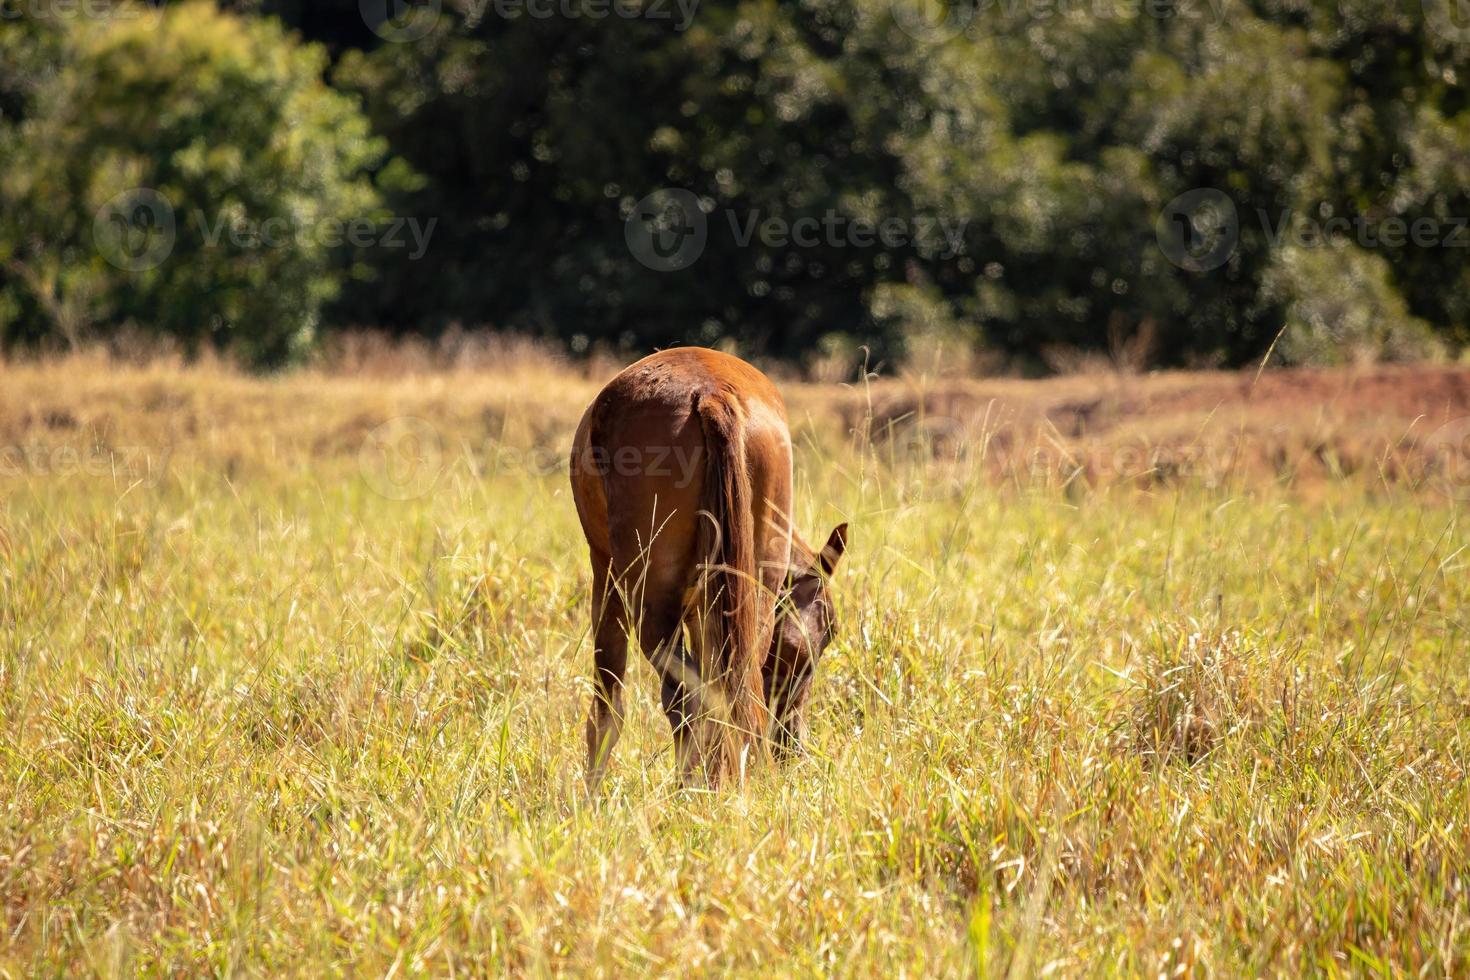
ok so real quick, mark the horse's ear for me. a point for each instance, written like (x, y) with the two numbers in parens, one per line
(833, 549)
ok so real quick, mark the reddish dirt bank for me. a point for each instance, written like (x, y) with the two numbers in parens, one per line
(1398, 424)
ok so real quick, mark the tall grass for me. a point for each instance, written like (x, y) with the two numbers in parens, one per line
(258, 717)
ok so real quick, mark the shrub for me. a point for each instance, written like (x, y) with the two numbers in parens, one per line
(187, 172)
(1341, 307)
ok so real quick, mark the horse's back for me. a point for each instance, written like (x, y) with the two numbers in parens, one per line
(666, 384)
(640, 453)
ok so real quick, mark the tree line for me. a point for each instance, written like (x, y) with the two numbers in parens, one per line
(1198, 180)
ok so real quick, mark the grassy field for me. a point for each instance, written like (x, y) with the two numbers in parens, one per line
(293, 674)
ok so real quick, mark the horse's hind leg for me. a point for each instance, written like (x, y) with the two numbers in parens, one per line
(610, 654)
(654, 559)
(680, 689)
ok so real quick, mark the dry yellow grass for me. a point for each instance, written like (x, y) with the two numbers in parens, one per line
(291, 683)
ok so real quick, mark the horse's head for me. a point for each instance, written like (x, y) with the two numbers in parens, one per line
(805, 624)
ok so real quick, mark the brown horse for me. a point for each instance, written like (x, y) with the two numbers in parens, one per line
(681, 471)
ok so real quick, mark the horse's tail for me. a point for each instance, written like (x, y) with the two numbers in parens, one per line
(732, 584)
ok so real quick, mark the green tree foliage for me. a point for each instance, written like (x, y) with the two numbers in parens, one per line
(183, 171)
(1035, 155)
(539, 136)
(1053, 134)
(30, 49)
